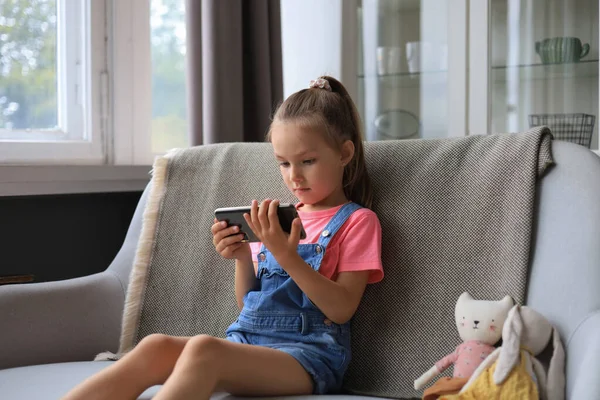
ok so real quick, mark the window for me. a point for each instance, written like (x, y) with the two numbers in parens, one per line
(91, 81)
(169, 127)
(47, 74)
(148, 80)
(28, 95)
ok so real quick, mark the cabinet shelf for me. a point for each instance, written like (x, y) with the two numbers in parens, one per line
(407, 79)
(582, 69)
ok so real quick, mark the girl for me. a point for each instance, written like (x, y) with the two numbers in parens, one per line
(292, 336)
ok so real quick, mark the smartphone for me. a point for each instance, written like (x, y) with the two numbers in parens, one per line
(235, 216)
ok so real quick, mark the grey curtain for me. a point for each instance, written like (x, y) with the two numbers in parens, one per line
(234, 69)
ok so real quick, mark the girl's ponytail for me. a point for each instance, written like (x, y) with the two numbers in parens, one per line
(357, 184)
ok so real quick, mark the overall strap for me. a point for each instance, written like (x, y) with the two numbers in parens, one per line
(337, 221)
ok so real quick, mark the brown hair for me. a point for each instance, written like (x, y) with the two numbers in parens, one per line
(333, 112)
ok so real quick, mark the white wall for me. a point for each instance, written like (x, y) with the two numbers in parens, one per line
(312, 42)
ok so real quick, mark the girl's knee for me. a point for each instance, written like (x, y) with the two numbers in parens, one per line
(155, 356)
(158, 347)
(204, 349)
(157, 342)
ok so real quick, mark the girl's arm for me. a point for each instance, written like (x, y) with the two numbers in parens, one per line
(339, 299)
(245, 279)
(228, 244)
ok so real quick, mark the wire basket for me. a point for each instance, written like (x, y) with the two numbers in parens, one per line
(576, 128)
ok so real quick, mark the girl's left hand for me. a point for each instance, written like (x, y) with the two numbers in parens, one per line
(265, 224)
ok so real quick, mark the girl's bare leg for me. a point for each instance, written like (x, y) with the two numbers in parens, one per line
(149, 363)
(208, 364)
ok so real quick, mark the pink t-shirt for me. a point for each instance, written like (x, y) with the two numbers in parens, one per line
(356, 246)
(466, 358)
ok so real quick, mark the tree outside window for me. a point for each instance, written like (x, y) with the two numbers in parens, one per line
(167, 21)
(28, 65)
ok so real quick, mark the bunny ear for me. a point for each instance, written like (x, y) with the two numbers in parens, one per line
(511, 345)
(555, 386)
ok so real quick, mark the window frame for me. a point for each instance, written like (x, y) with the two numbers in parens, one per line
(130, 51)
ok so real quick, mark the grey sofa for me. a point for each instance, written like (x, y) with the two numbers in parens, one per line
(49, 332)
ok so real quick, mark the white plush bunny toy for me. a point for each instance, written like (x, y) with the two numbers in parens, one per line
(512, 371)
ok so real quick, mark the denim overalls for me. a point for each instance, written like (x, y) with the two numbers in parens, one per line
(281, 316)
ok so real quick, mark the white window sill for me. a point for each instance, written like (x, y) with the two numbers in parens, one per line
(20, 180)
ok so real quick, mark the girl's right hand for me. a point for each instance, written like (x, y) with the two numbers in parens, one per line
(230, 247)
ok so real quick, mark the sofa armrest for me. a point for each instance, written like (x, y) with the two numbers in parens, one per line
(583, 360)
(60, 321)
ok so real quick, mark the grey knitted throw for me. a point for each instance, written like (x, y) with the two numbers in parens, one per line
(456, 214)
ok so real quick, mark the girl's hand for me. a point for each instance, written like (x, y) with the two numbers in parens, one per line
(265, 224)
(230, 247)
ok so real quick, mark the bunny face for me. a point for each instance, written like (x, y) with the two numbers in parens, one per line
(481, 320)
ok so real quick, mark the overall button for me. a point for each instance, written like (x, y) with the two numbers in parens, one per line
(318, 249)
(325, 233)
(262, 257)
(327, 322)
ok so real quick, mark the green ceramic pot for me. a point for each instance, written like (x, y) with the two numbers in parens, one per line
(561, 50)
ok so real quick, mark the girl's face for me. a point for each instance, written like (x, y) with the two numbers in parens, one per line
(310, 167)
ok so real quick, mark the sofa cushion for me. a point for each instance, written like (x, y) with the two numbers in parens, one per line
(52, 381)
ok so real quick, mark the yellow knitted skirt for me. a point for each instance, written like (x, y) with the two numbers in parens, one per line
(518, 385)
